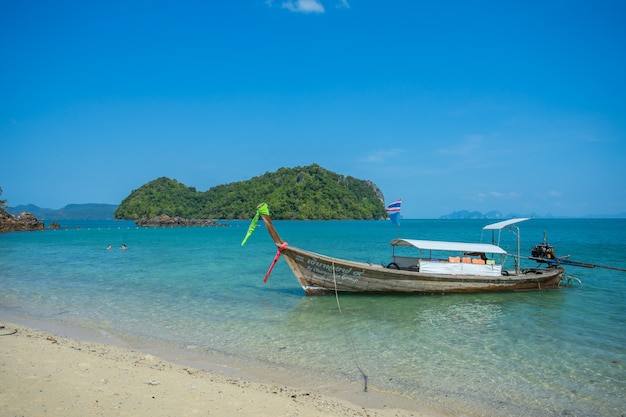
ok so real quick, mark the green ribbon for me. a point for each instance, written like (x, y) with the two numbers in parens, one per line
(261, 209)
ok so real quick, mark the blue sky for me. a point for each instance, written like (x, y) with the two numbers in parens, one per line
(516, 106)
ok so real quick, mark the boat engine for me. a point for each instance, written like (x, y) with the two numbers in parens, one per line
(543, 251)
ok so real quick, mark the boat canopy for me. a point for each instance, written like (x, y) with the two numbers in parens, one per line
(501, 225)
(449, 246)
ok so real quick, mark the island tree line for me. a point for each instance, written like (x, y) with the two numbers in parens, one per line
(310, 192)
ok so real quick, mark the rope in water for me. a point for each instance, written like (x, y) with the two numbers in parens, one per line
(356, 358)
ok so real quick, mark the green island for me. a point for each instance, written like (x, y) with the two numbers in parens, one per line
(300, 193)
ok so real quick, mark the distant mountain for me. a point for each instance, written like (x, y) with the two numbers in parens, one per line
(89, 211)
(40, 213)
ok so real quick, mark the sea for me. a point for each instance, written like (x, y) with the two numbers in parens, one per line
(196, 294)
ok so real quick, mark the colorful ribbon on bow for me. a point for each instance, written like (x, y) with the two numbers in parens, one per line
(269, 271)
(261, 209)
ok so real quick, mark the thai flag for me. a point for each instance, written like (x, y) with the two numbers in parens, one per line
(393, 210)
(394, 207)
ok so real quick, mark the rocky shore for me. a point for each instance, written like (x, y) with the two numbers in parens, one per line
(166, 221)
(24, 222)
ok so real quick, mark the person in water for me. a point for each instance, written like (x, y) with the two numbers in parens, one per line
(123, 246)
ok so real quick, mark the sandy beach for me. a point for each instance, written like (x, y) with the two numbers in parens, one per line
(45, 374)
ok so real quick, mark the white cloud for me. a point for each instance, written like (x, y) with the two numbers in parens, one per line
(497, 195)
(511, 195)
(468, 145)
(303, 6)
(381, 155)
(548, 195)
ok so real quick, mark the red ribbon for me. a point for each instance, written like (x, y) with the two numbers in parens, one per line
(269, 271)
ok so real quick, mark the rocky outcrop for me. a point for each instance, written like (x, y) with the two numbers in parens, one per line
(166, 221)
(24, 222)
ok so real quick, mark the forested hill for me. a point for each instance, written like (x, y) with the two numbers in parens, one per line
(310, 192)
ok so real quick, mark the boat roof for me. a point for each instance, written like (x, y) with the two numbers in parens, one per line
(450, 246)
(501, 225)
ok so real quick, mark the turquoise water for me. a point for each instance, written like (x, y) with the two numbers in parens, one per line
(197, 290)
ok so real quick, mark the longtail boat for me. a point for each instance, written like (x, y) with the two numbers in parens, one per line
(469, 267)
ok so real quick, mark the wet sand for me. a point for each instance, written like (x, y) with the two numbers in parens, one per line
(45, 374)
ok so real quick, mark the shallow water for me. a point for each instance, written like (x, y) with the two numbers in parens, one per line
(546, 353)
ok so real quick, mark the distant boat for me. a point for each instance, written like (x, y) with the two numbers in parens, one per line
(466, 268)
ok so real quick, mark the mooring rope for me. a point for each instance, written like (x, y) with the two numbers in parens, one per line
(9, 333)
(570, 281)
(356, 358)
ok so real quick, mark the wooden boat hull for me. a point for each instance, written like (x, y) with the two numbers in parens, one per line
(319, 274)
